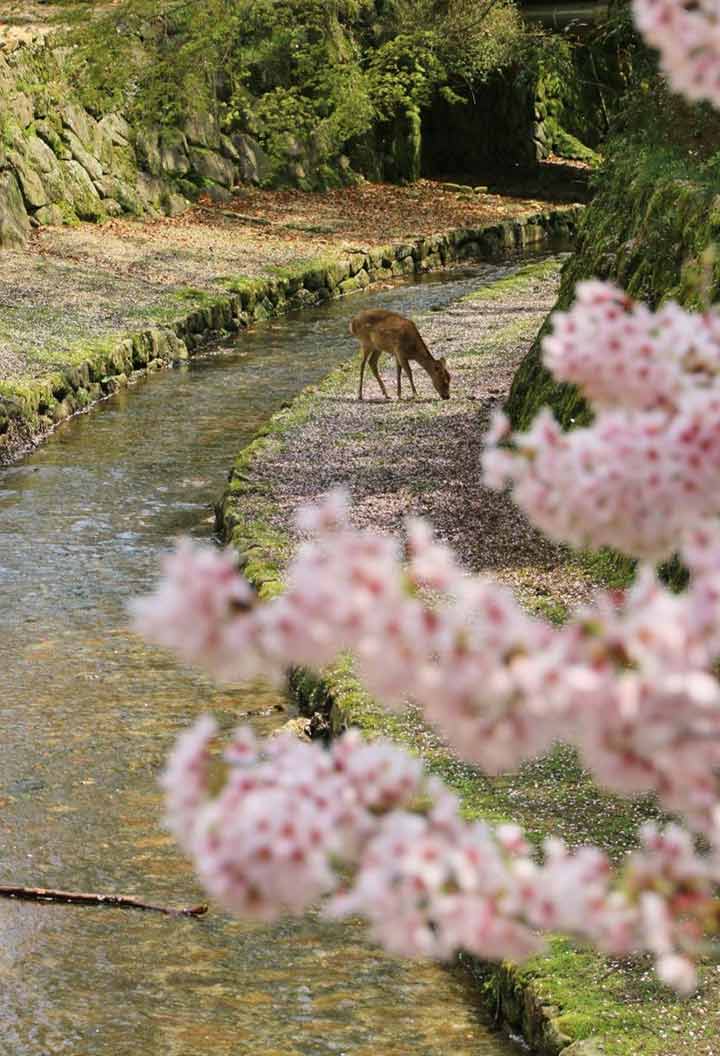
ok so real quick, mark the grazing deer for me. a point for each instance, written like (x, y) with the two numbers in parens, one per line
(379, 331)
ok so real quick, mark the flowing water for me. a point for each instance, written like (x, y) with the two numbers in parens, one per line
(88, 714)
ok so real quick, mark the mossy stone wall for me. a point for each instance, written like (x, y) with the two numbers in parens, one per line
(60, 163)
(646, 236)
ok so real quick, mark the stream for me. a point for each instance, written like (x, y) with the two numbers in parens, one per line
(88, 715)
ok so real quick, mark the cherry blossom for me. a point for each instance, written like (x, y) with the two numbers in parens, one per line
(647, 468)
(627, 679)
(362, 827)
(687, 36)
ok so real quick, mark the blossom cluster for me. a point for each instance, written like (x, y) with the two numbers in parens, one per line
(648, 466)
(362, 826)
(627, 680)
(687, 35)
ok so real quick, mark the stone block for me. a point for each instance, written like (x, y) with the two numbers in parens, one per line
(357, 262)
(253, 163)
(30, 183)
(80, 191)
(111, 207)
(212, 166)
(90, 163)
(201, 129)
(173, 152)
(147, 148)
(150, 190)
(50, 135)
(78, 120)
(336, 273)
(39, 154)
(116, 128)
(50, 216)
(173, 204)
(20, 107)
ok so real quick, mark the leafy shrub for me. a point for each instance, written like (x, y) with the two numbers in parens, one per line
(318, 73)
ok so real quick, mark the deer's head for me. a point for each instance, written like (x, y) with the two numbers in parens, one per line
(441, 378)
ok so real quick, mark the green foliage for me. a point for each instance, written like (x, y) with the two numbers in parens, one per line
(403, 73)
(308, 78)
(470, 40)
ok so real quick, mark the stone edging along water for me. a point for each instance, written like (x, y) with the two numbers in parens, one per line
(31, 409)
(335, 700)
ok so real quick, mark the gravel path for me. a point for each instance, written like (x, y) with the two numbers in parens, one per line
(422, 457)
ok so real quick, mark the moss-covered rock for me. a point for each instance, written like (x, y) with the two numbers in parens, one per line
(50, 215)
(173, 152)
(646, 234)
(14, 219)
(210, 165)
(29, 181)
(81, 194)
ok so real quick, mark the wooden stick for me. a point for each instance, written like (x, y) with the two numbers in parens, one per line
(90, 898)
(230, 214)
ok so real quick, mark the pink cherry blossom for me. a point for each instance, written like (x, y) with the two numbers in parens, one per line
(688, 38)
(364, 828)
(202, 611)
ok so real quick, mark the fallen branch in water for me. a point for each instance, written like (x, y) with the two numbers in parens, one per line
(91, 898)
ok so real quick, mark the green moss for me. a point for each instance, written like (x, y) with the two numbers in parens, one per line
(645, 229)
(520, 279)
(565, 145)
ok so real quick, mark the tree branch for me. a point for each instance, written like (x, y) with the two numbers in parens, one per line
(90, 898)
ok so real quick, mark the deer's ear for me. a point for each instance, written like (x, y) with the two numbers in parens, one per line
(443, 361)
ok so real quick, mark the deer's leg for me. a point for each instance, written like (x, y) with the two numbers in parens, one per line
(399, 379)
(366, 350)
(373, 367)
(408, 371)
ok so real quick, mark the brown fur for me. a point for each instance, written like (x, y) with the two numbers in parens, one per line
(380, 331)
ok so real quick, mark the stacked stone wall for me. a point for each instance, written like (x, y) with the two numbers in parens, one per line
(59, 163)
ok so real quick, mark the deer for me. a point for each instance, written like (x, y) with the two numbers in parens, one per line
(381, 331)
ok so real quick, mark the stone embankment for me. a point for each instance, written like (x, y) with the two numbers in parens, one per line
(30, 408)
(646, 235)
(59, 164)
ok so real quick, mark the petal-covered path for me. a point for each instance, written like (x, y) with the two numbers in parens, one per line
(421, 457)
